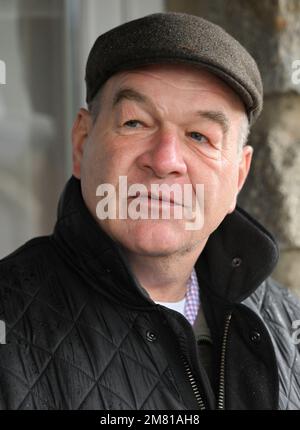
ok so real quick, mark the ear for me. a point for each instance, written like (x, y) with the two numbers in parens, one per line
(80, 132)
(243, 170)
(244, 166)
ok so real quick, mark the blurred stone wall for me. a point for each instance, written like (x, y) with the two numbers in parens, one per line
(270, 30)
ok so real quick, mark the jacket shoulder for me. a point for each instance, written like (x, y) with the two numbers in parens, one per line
(274, 298)
(282, 298)
(279, 308)
(21, 275)
(35, 245)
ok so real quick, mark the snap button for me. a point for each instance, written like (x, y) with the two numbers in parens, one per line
(150, 336)
(255, 336)
(107, 270)
(236, 262)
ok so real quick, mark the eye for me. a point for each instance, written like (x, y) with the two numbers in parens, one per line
(198, 136)
(132, 123)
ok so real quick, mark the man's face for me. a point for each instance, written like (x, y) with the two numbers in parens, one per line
(163, 124)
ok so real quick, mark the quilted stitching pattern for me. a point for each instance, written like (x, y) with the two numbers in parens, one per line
(279, 308)
(67, 338)
(73, 345)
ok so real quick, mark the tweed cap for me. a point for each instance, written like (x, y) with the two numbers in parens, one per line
(176, 38)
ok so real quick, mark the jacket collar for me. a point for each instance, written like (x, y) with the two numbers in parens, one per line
(239, 255)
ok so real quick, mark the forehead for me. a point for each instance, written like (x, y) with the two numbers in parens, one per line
(180, 78)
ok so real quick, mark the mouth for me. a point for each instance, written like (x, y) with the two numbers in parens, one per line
(152, 198)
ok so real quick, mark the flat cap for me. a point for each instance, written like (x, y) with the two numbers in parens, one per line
(176, 38)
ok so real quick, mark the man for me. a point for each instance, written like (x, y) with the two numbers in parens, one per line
(128, 312)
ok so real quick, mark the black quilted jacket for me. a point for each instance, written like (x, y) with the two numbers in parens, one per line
(82, 334)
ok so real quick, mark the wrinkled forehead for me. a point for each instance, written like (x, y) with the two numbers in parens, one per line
(176, 76)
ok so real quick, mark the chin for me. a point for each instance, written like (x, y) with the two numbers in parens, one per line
(156, 238)
(154, 249)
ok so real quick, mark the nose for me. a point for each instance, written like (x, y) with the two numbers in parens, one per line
(165, 155)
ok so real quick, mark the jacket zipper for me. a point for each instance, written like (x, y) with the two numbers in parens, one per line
(194, 385)
(196, 391)
(221, 398)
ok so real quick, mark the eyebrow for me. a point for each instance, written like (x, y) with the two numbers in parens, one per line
(130, 94)
(217, 117)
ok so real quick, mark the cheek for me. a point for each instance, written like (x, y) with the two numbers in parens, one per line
(229, 179)
(105, 159)
(96, 157)
(92, 165)
(93, 171)
(220, 182)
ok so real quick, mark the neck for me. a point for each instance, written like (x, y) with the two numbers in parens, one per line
(164, 277)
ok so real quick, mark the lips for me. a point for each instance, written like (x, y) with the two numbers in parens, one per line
(164, 198)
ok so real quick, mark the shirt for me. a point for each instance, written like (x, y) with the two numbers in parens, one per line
(189, 305)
